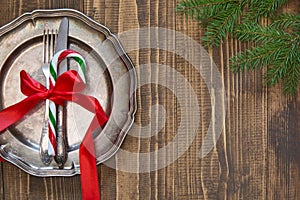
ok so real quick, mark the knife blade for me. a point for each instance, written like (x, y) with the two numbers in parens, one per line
(61, 44)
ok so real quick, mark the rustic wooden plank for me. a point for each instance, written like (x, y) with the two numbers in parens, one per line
(159, 184)
(134, 15)
(247, 111)
(10, 11)
(190, 180)
(5, 17)
(235, 169)
(222, 144)
(115, 184)
(54, 188)
(16, 184)
(108, 180)
(283, 164)
(1, 181)
(167, 177)
(245, 141)
(143, 11)
(14, 8)
(283, 139)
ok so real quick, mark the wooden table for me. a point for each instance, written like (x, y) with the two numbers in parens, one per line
(256, 156)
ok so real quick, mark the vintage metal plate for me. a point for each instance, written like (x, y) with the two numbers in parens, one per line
(111, 79)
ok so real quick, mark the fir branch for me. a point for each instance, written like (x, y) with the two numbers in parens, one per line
(282, 59)
(292, 63)
(285, 21)
(260, 34)
(277, 46)
(189, 6)
(218, 16)
(280, 68)
(291, 82)
(256, 58)
(204, 10)
(258, 9)
(222, 24)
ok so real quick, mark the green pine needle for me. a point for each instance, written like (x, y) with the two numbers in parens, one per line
(285, 21)
(260, 34)
(276, 46)
(266, 8)
(256, 58)
(221, 24)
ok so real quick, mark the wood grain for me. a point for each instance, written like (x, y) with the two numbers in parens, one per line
(256, 156)
(283, 139)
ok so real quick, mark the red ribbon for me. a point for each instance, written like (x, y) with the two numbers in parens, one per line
(67, 88)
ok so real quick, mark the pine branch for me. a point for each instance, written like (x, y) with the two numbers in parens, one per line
(189, 6)
(281, 68)
(257, 58)
(285, 21)
(282, 59)
(218, 16)
(222, 24)
(277, 46)
(194, 8)
(292, 63)
(260, 34)
(204, 10)
(266, 8)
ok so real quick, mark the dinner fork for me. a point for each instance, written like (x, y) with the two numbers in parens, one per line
(46, 150)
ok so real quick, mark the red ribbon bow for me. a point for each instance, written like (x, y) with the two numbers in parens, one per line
(67, 88)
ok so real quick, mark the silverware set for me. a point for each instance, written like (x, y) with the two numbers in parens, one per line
(54, 42)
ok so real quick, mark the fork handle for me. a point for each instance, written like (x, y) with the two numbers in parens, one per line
(46, 158)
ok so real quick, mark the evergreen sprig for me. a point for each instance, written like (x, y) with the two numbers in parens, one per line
(266, 8)
(276, 45)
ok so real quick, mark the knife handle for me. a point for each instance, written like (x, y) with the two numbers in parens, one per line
(61, 146)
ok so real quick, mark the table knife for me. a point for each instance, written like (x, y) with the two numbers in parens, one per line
(61, 44)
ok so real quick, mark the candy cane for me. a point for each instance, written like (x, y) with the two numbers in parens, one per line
(57, 58)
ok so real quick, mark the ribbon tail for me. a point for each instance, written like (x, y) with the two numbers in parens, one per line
(89, 176)
(14, 113)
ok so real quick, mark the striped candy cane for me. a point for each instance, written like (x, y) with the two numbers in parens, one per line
(57, 58)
